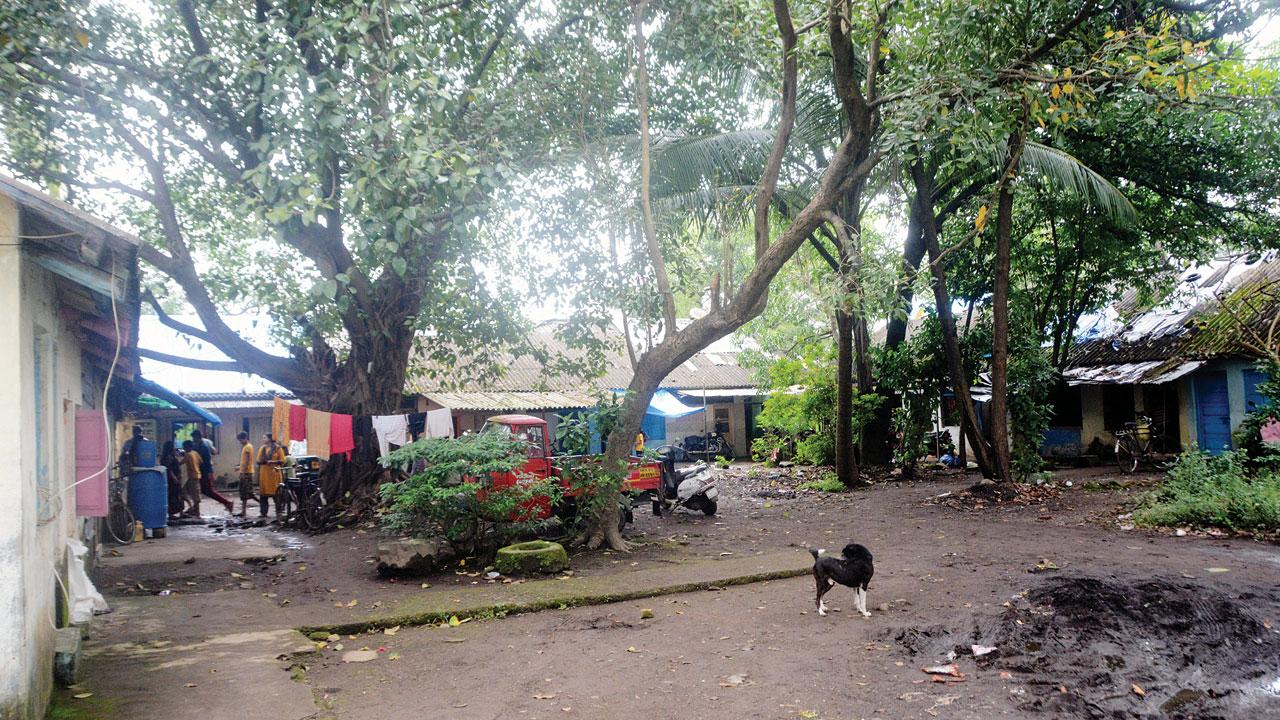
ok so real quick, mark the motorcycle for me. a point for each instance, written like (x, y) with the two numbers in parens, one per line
(691, 487)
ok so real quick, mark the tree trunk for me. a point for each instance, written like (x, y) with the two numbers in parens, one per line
(946, 318)
(846, 463)
(1000, 337)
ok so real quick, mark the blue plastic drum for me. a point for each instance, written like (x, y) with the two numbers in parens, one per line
(144, 453)
(149, 496)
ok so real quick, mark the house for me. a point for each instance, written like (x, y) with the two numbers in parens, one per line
(1180, 361)
(68, 362)
(710, 392)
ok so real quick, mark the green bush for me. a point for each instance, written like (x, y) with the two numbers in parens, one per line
(1206, 491)
(828, 482)
(452, 493)
(764, 447)
(817, 449)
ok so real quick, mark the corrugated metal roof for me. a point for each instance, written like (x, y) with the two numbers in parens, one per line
(527, 373)
(1190, 324)
(500, 400)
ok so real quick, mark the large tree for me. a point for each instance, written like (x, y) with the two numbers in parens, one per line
(329, 164)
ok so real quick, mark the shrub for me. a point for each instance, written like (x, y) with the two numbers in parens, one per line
(817, 449)
(451, 492)
(1248, 439)
(764, 447)
(1206, 491)
(828, 482)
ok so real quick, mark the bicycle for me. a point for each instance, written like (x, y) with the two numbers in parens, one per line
(1134, 443)
(301, 502)
(120, 520)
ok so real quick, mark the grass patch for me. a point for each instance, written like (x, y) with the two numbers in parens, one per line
(828, 483)
(1206, 491)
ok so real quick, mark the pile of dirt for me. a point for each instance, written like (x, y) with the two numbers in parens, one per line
(1100, 648)
(988, 494)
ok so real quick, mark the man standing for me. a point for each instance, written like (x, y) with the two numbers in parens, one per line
(206, 451)
(246, 473)
(191, 463)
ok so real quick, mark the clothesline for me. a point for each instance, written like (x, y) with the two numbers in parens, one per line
(329, 434)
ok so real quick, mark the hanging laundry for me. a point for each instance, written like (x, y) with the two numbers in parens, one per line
(318, 433)
(440, 423)
(341, 440)
(391, 430)
(417, 425)
(297, 425)
(280, 412)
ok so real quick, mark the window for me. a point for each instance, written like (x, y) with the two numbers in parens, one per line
(535, 436)
(1117, 406)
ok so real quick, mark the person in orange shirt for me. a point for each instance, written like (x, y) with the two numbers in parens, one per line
(247, 485)
(271, 459)
(191, 463)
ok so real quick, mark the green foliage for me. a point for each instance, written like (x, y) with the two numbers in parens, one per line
(1029, 380)
(592, 487)
(451, 492)
(816, 449)
(768, 446)
(574, 431)
(1207, 491)
(827, 482)
(1248, 437)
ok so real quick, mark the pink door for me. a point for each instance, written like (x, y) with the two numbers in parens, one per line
(92, 456)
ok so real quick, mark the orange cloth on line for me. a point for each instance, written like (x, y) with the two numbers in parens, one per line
(280, 419)
(318, 433)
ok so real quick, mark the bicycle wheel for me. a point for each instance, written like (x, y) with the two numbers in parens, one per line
(312, 509)
(120, 522)
(1126, 457)
(285, 504)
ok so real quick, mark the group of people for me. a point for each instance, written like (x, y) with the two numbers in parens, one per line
(190, 474)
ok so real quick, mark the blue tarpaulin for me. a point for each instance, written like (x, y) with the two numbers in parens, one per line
(173, 398)
(665, 404)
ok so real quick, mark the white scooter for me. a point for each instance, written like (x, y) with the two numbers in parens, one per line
(692, 487)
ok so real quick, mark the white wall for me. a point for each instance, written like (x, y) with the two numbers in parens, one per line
(37, 516)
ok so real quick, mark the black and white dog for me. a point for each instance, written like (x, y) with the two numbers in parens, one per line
(852, 569)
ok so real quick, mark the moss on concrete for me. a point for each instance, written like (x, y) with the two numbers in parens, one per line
(551, 596)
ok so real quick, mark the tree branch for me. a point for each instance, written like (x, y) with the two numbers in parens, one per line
(223, 365)
(786, 123)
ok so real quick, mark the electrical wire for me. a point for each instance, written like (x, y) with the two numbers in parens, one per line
(106, 388)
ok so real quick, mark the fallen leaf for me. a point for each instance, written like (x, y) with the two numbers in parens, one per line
(426, 585)
(980, 650)
(393, 656)
(1005, 674)
(81, 696)
(808, 714)
(733, 681)
(544, 697)
(1218, 569)
(1266, 624)
(454, 621)
(952, 669)
(632, 649)
(190, 685)
(1137, 690)
(647, 613)
(353, 603)
(391, 630)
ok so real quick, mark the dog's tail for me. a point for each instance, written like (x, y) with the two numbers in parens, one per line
(816, 553)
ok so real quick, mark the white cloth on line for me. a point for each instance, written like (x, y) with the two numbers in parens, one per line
(391, 430)
(440, 423)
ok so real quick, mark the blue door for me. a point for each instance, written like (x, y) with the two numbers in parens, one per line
(1253, 399)
(1213, 412)
(654, 428)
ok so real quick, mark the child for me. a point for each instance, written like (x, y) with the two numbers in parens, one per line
(246, 473)
(191, 463)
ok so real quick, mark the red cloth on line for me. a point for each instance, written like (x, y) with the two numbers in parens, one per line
(297, 423)
(341, 439)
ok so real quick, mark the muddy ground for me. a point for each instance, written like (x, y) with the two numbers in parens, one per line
(1088, 619)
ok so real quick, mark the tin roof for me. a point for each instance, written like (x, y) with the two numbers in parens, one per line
(1199, 319)
(525, 373)
(499, 400)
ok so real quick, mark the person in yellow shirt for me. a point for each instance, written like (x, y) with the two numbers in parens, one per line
(640, 438)
(247, 485)
(271, 459)
(191, 463)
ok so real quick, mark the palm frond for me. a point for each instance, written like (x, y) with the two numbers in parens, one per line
(1065, 172)
(685, 164)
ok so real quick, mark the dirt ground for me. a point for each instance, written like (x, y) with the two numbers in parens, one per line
(1089, 617)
